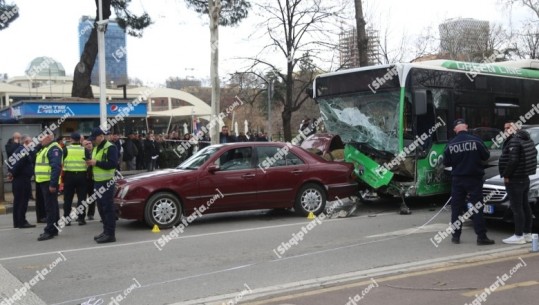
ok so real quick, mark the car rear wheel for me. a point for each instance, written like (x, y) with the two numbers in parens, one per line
(162, 209)
(310, 198)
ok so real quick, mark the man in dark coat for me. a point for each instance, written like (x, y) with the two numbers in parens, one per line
(517, 162)
(465, 154)
(22, 171)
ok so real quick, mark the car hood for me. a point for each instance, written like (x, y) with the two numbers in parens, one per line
(498, 180)
(152, 176)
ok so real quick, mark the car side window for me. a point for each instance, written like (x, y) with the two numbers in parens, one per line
(235, 159)
(274, 156)
(292, 159)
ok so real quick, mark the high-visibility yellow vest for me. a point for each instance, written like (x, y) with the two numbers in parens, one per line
(99, 173)
(42, 170)
(74, 161)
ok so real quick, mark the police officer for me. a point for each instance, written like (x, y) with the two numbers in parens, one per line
(104, 161)
(465, 153)
(75, 178)
(47, 172)
(22, 171)
(517, 162)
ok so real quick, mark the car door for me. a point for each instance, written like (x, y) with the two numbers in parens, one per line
(234, 178)
(279, 174)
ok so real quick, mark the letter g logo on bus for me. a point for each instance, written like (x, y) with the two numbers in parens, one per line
(434, 159)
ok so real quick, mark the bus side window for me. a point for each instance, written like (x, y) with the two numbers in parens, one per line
(425, 123)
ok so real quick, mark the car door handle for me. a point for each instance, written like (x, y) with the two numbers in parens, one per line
(248, 176)
(296, 171)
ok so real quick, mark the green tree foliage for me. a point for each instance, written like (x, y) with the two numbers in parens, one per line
(8, 14)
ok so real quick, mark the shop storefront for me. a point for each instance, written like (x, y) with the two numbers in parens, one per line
(81, 116)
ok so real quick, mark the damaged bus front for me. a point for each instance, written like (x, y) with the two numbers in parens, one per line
(394, 118)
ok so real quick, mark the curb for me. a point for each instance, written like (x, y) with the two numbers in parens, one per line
(260, 295)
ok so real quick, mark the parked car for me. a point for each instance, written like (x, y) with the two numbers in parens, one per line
(326, 145)
(497, 207)
(234, 177)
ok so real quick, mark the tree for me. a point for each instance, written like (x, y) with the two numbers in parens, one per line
(132, 24)
(300, 32)
(8, 14)
(362, 38)
(225, 13)
(527, 41)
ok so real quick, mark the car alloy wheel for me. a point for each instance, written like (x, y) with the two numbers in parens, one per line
(310, 198)
(162, 209)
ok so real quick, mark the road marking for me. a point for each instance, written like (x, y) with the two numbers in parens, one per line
(179, 237)
(501, 288)
(435, 227)
(405, 272)
(10, 286)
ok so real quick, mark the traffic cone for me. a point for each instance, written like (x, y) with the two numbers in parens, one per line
(155, 229)
(311, 216)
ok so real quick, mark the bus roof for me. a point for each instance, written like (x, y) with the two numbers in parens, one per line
(527, 68)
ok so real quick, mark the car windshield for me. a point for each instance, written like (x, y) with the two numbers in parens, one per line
(365, 118)
(196, 160)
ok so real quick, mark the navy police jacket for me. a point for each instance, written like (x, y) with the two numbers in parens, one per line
(465, 153)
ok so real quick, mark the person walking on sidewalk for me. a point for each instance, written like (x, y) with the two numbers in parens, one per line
(21, 172)
(75, 178)
(47, 172)
(465, 153)
(517, 162)
(104, 161)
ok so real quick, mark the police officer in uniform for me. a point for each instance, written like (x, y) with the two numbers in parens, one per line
(104, 161)
(465, 153)
(47, 174)
(22, 172)
(75, 177)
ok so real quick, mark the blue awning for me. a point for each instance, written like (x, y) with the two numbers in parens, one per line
(41, 109)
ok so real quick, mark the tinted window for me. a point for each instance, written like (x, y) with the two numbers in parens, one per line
(235, 159)
(273, 156)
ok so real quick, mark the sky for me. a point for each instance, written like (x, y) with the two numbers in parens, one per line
(177, 44)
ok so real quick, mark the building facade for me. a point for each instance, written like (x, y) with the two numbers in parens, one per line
(348, 50)
(115, 51)
(464, 38)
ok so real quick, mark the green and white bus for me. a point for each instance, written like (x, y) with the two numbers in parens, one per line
(396, 119)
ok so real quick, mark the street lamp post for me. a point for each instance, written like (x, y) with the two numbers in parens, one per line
(101, 28)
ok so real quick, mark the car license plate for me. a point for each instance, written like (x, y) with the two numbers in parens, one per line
(488, 209)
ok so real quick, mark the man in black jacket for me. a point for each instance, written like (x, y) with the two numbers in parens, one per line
(517, 162)
(465, 153)
(22, 172)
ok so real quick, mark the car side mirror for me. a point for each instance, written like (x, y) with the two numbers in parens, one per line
(213, 168)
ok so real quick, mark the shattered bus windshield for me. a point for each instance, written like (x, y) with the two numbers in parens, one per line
(365, 118)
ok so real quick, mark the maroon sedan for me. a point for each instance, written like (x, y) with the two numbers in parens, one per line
(234, 177)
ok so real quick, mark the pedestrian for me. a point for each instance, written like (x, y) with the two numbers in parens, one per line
(103, 162)
(13, 143)
(47, 174)
(242, 137)
(517, 162)
(224, 136)
(75, 178)
(138, 139)
(465, 153)
(151, 152)
(21, 172)
(130, 152)
(118, 142)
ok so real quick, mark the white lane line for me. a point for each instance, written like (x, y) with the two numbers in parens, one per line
(179, 237)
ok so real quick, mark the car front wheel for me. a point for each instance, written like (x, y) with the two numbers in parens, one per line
(310, 198)
(162, 209)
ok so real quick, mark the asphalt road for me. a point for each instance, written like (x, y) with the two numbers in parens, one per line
(225, 258)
